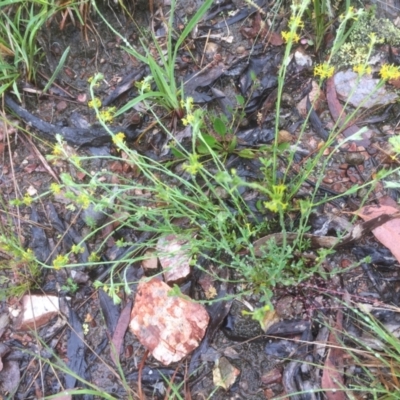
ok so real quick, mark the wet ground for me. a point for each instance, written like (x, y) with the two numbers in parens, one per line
(224, 61)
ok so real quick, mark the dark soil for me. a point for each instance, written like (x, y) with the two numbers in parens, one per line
(280, 362)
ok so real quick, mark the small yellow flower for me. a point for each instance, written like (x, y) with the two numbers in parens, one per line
(194, 166)
(83, 200)
(290, 36)
(95, 103)
(76, 160)
(107, 115)
(57, 150)
(76, 249)
(188, 120)
(118, 138)
(389, 71)
(94, 257)
(60, 261)
(351, 13)
(28, 255)
(362, 69)
(277, 199)
(323, 70)
(55, 188)
(27, 200)
(296, 22)
(373, 37)
(95, 81)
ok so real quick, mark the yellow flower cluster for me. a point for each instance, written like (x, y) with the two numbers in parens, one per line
(194, 166)
(296, 22)
(188, 105)
(289, 36)
(95, 103)
(118, 139)
(323, 70)
(188, 120)
(107, 115)
(389, 71)
(55, 188)
(60, 261)
(362, 69)
(83, 200)
(277, 202)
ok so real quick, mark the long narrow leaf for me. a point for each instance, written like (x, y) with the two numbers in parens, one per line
(58, 69)
(137, 100)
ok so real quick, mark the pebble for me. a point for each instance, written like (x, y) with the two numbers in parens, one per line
(354, 158)
(240, 50)
(61, 106)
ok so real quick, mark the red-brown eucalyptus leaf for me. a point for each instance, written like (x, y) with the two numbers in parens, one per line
(389, 232)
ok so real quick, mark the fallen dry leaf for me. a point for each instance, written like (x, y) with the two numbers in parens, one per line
(316, 97)
(119, 333)
(389, 232)
(332, 377)
(170, 327)
(174, 258)
(224, 373)
(339, 116)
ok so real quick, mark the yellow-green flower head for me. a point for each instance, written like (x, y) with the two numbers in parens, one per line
(55, 188)
(188, 120)
(193, 166)
(60, 261)
(290, 36)
(83, 200)
(362, 69)
(118, 138)
(95, 103)
(323, 70)
(296, 22)
(389, 71)
(107, 115)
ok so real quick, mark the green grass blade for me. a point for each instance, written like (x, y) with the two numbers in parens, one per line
(58, 69)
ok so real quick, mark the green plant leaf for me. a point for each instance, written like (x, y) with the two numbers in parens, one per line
(232, 144)
(246, 153)
(219, 126)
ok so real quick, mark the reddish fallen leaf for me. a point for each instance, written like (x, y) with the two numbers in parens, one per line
(339, 116)
(170, 327)
(274, 39)
(174, 257)
(389, 232)
(119, 333)
(332, 377)
(317, 98)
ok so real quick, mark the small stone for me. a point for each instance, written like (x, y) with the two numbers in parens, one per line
(361, 92)
(302, 59)
(354, 158)
(171, 327)
(284, 136)
(240, 50)
(211, 49)
(37, 311)
(337, 187)
(61, 105)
